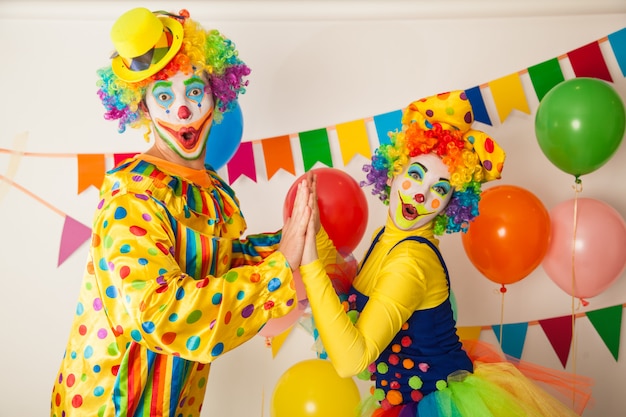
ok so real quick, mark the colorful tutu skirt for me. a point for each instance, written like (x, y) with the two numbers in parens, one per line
(498, 387)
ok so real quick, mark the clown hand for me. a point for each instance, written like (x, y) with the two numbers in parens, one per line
(293, 233)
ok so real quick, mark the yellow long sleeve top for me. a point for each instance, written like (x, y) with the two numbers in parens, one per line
(398, 282)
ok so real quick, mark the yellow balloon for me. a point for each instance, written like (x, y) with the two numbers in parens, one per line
(312, 388)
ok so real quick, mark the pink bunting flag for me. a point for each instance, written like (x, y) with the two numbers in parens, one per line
(559, 332)
(73, 236)
(242, 163)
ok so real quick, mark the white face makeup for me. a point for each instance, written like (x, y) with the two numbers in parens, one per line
(181, 109)
(420, 192)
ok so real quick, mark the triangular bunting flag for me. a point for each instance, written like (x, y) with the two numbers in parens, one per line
(278, 340)
(242, 163)
(587, 61)
(469, 333)
(617, 40)
(385, 123)
(353, 140)
(315, 148)
(546, 75)
(513, 338)
(559, 333)
(118, 158)
(277, 154)
(479, 109)
(73, 236)
(508, 94)
(608, 324)
(91, 170)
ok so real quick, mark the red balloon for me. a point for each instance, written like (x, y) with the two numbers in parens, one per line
(598, 254)
(342, 204)
(510, 236)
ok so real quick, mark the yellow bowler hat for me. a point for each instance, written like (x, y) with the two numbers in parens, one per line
(144, 43)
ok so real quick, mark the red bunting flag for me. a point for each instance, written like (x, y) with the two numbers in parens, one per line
(588, 61)
(559, 331)
(118, 158)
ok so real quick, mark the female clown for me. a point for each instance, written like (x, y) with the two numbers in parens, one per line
(170, 284)
(399, 325)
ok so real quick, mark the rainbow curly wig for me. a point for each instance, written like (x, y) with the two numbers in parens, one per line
(441, 125)
(201, 51)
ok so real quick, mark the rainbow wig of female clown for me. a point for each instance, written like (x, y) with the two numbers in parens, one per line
(201, 51)
(440, 124)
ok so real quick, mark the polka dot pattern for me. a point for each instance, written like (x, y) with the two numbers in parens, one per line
(160, 292)
(402, 373)
(453, 111)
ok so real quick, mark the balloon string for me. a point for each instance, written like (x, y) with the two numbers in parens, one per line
(502, 291)
(578, 187)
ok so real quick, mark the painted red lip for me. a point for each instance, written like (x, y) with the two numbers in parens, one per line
(186, 136)
(409, 212)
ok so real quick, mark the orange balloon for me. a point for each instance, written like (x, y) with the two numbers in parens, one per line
(510, 236)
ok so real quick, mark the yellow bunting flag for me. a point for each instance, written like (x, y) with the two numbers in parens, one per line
(469, 333)
(508, 94)
(278, 340)
(277, 154)
(91, 170)
(353, 140)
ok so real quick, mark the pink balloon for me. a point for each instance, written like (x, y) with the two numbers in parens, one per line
(599, 253)
(276, 326)
(300, 290)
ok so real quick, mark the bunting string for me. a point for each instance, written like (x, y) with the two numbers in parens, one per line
(361, 137)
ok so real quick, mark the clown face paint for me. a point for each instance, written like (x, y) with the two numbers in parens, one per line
(181, 109)
(420, 192)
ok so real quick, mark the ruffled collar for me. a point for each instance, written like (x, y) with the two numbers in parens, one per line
(203, 192)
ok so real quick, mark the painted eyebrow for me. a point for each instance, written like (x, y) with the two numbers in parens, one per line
(192, 80)
(423, 167)
(162, 84)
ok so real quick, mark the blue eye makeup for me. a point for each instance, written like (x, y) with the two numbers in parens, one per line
(442, 188)
(416, 171)
(162, 93)
(195, 89)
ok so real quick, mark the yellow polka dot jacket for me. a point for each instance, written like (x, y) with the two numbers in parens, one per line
(170, 285)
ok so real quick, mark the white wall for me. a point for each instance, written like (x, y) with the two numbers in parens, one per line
(315, 64)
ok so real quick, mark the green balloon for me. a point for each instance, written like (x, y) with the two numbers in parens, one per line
(580, 124)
